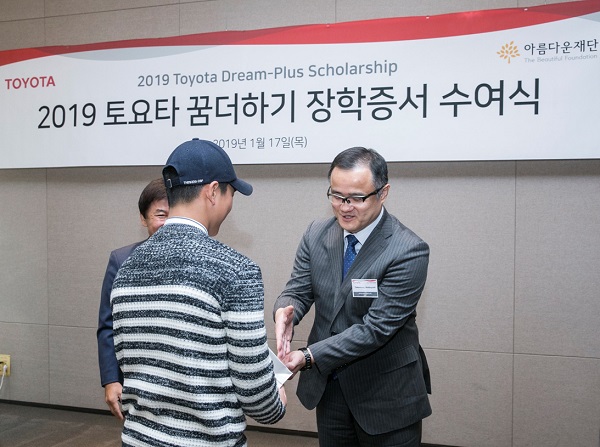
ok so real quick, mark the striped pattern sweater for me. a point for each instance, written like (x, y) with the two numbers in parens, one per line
(190, 339)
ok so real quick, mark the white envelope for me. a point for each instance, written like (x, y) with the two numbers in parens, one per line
(281, 371)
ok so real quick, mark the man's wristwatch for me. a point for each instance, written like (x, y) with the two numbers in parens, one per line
(308, 364)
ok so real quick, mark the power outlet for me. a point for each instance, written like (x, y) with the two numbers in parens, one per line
(5, 360)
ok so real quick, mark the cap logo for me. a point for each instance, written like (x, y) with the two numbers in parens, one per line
(193, 182)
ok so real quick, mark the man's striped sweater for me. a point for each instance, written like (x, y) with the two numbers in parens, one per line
(190, 339)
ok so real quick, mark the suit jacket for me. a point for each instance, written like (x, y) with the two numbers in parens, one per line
(107, 360)
(371, 343)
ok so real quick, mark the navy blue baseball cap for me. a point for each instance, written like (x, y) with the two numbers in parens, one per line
(199, 162)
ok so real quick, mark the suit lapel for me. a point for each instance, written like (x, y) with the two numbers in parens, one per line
(334, 245)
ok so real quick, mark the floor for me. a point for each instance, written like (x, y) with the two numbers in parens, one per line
(27, 426)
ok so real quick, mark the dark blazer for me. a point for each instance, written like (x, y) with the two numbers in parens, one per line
(372, 344)
(107, 360)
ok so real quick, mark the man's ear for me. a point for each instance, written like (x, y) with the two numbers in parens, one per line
(384, 192)
(143, 220)
(211, 191)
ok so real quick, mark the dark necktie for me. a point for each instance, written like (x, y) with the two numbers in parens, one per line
(350, 254)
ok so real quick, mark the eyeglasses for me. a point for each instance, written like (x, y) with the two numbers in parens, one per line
(337, 199)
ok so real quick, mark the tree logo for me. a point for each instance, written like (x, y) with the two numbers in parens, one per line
(509, 51)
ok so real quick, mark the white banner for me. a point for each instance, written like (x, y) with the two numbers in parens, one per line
(500, 85)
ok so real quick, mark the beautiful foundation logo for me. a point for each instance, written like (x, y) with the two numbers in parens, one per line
(509, 51)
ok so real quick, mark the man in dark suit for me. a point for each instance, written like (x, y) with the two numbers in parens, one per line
(154, 210)
(364, 271)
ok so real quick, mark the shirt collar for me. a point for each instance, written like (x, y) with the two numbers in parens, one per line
(186, 221)
(363, 234)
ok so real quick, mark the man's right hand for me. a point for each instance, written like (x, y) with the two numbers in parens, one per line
(112, 397)
(294, 361)
(284, 326)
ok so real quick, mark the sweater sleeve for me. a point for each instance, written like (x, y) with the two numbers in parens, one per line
(248, 353)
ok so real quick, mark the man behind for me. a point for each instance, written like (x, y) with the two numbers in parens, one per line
(154, 209)
(364, 271)
(189, 318)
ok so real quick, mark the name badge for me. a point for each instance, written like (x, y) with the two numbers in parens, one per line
(364, 288)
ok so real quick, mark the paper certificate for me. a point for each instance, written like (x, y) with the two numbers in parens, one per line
(281, 371)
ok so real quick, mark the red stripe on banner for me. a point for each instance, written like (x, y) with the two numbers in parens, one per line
(379, 30)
